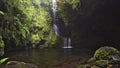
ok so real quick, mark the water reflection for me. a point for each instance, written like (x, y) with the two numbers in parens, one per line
(67, 52)
(48, 57)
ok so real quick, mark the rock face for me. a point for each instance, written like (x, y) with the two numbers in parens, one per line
(97, 23)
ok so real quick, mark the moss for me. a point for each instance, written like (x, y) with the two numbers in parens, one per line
(101, 63)
(105, 53)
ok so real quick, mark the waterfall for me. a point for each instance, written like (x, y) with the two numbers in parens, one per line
(54, 8)
(67, 40)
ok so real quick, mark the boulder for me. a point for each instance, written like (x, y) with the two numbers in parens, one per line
(106, 53)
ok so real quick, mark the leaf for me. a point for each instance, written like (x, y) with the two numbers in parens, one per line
(3, 60)
(23, 32)
(2, 13)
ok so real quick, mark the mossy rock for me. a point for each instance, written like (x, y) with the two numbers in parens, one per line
(105, 53)
(17, 64)
(95, 66)
(102, 63)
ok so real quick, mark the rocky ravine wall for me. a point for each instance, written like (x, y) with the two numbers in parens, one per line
(97, 24)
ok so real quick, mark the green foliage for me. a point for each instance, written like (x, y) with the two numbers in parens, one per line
(105, 53)
(35, 38)
(3, 60)
(67, 10)
(41, 28)
(13, 26)
(51, 39)
(74, 3)
(26, 20)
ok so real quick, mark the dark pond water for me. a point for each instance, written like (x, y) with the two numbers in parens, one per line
(51, 57)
